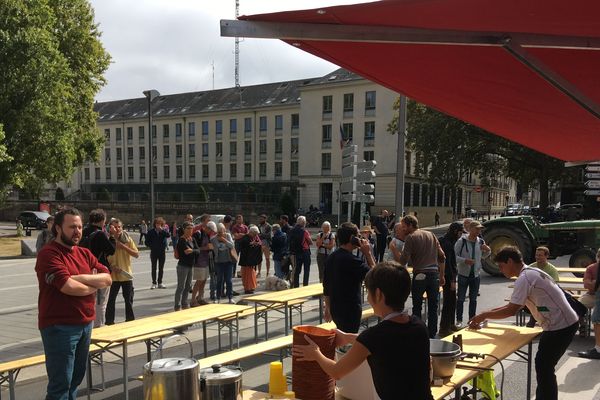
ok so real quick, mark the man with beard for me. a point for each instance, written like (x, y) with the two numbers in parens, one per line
(68, 277)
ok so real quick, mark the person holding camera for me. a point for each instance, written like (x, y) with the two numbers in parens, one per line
(343, 277)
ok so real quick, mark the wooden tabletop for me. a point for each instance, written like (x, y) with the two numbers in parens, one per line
(145, 326)
(496, 339)
(566, 269)
(562, 279)
(285, 296)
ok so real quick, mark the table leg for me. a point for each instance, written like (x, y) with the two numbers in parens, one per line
(11, 384)
(204, 344)
(287, 312)
(237, 330)
(125, 371)
(529, 351)
(320, 309)
(255, 322)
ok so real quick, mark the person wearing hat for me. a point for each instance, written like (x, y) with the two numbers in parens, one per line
(470, 250)
(366, 232)
(454, 233)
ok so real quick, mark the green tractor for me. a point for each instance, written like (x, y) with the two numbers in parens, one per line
(580, 239)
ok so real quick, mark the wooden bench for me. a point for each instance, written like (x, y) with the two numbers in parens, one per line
(9, 370)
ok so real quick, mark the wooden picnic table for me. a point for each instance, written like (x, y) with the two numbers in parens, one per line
(106, 336)
(282, 299)
(562, 270)
(562, 279)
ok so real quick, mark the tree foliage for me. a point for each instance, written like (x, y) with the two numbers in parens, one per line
(51, 67)
(446, 148)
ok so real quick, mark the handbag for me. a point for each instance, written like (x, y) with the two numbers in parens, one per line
(575, 304)
(234, 255)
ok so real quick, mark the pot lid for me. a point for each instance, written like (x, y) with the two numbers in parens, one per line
(171, 364)
(219, 374)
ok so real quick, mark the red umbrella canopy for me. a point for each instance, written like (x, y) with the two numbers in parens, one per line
(525, 70)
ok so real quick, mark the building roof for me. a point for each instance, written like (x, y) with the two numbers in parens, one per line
(256, 96)
(337, 76)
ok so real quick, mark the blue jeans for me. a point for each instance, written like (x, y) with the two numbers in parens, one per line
(302, 259)
(184, 284)
(66, 348)
(278, 271)
(224, 271)
(464, 282)
(212, 273)
(431, 285)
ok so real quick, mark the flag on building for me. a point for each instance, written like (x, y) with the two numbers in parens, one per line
(342, 140)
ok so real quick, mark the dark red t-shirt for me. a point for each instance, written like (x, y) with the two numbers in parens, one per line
(55, 264)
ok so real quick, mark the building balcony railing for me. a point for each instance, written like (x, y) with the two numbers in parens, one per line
(349, 114)
(247, 134)
(327, 115)
(369, 142)
(247, 157)
(326, 144)
(295, 131)
(278, 156)
(262, 156)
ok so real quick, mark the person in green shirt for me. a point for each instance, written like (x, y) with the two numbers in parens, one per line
(541, 262)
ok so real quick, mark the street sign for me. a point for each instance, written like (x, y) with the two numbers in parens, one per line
(592, 184)
(362, 188)
(349, 197)
(592, 192)
(368, 165)
(592, 168)
(592, 175)
(348, 150)
(365, 198)
(365, 176)
(349, 171)
(478, 189)
(350, 160)
(348, 187)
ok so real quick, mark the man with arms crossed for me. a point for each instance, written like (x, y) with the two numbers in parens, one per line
(548, 304)
(68, 277)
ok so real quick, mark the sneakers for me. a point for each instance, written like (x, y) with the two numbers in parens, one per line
(161, 286)
(592, 353)
(234, 293)
(153, 286)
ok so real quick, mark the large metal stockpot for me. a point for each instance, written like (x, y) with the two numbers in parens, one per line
(221, 383)
(172, 378)
(444, 356)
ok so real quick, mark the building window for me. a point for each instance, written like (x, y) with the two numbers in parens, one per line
(369, 155)
(219, 149)
(166, 172)
(204, 128)
(294, 168)
(165, 131)
(142, 153)
(349, 102)
(407, 194)
(232, 171)
(370, 100)
(262, 122)
(165, 152)
(178, 130)
(119, 154)
(326, 136)
(232, 149)
(219, 127)
(130, 173)
(278, 122)
(97, 173)
(108, 174)
(107, 155)
(179, 171)
(192, 171)
(233, 125)
(247, 170)
(192, 129)
(417, 192)
(107, 135)
(154, 153)
(278, 146)
(142, 173)
(204, 171)
(295, 121)
(141, 133)
(130, 133)
(294, 146)
(348, 132)
(326, 161)
(86, 174)
(369, 134)
(192, 150)
(155, 172)
(247, 124)
(247, 147)
(130, 153)
(119, 173)
(153, 131)
(262, 146)
(179, 151)
(278, 169)
(118, 134)
(219, 170)
(407, 162)
(327, 104)
(262, 169)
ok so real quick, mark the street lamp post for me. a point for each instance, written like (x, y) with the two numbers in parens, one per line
(151, 95)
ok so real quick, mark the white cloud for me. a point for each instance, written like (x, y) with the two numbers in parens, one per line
(170, 45)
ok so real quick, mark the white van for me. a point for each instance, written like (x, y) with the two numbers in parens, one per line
(216, 218)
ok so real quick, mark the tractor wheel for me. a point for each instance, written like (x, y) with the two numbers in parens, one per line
(581, 259)
(500, 237)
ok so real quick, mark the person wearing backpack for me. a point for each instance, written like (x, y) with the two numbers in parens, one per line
(188, 252)
(95, 238)
(325, 246)
(470, 250)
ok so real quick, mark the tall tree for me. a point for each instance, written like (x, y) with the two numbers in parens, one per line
(447, 148)
(51, 66)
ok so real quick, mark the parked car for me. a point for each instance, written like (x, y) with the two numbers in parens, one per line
(571, 212)
(34, 219)
(512, 209)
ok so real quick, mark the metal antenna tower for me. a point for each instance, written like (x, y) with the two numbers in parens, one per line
(237, 48)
